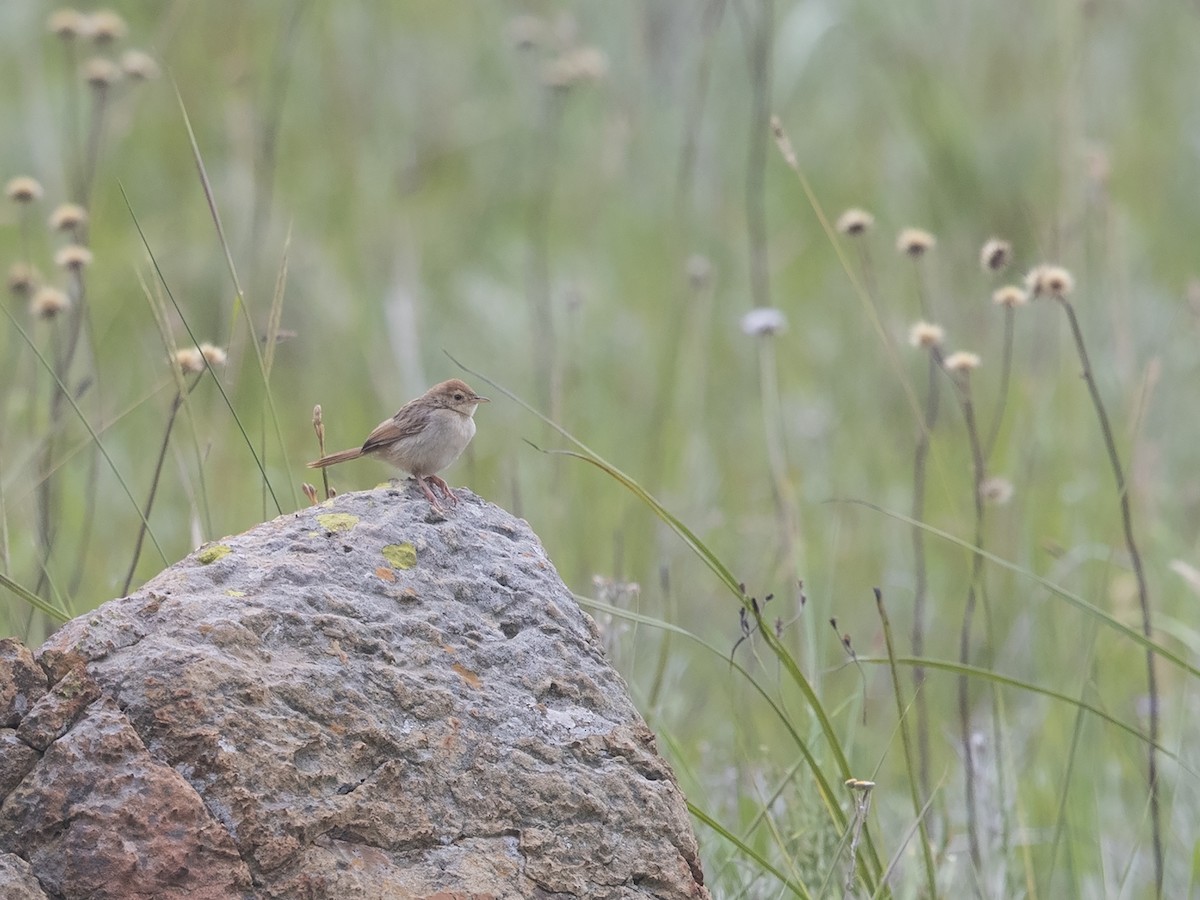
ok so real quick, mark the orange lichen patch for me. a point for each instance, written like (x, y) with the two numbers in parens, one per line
(385, 574)
(466, 675)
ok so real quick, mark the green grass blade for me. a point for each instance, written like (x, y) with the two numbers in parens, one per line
(34, 600)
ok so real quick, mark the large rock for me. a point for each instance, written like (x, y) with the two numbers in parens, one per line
(363, 699)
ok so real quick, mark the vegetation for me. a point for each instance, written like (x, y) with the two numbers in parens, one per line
(827, 370)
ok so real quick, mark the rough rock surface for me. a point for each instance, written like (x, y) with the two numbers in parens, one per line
(362, 699)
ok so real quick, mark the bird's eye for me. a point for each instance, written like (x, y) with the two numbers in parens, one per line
(459, 396)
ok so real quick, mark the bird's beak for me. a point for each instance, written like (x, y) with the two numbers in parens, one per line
(479, 399)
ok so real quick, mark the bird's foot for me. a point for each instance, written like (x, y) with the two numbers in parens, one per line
(445, 488)
(430, 495)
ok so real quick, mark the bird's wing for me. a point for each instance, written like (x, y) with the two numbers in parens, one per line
(391, 430)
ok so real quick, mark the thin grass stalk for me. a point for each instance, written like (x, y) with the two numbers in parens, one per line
(217, 381)
(1005, 381)
(920, 570)
(759, 48)
(1110, 445)
(919, 792)
(36, 602)
(176, 403)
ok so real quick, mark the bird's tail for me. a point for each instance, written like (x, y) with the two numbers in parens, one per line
(334, 458)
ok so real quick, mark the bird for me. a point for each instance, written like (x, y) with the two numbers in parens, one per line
(426, 436)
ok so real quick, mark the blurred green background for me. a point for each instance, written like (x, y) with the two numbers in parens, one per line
(581, 201)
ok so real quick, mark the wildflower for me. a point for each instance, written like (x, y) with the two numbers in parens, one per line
(67, 24)
(915, 242)
(105, 27)
(22, 279)
(73, 257)
(926, 335)
(763, 320)
(212, 354)
(48, 302)
(1010, 296)
(995, 255)
(68, 217)
(996, 490)
(1053, 280)
(962, 361)
(855, 222)
(189, 360)
(139, 66)
(100, 73)
(23, 189)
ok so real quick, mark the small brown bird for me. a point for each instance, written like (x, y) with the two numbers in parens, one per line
(424, 437)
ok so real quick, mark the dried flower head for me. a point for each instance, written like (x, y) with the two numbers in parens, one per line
(996, 490)
(1010, 296)
(915, 242)
(48, 302)
(962, 361)
(73, 257)
(926, 335)
(101, 73)
(855, 222)
(213, 355)
(699, 271)
(575, 66)
(189, 360)
(22, 279)
(763, 321)
(68, 217)
(139, 66)
(1052, 280)
(995, 255)
(105, 27)
(23, 189)
(67, 24)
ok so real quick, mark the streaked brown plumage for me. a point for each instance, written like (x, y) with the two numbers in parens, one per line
(425, 436)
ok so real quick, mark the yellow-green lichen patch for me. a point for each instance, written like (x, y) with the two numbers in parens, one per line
(401, 556)
(337, 521)
(232, 593)
(212, 553)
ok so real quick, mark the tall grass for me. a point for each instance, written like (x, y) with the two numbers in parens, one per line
(583, 205)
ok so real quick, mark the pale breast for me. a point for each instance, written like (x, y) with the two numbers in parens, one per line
(436, 446)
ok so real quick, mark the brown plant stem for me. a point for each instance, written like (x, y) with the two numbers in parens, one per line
(1005, 378)
(1135, 558)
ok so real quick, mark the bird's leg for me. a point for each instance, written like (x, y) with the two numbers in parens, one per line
(429, 494)
(441, 483)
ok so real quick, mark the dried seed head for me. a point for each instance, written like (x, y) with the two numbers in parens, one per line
(575, 66)
(105, 27)
(995, 255)
(996, 490)
(1010, 296)
(139, 66)
(213, 355)
(23, 189)
(926, 335)
(73, 257)
(23, 279)
(915, 242)
(68, 217)
(962, 361)
(48, 302)
(763, 321)
(699, 271)
(1052, 280)
(67, 24)
(189, 360)
(101, 73)
(855, 222)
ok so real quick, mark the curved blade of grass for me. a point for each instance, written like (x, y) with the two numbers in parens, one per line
(798, 889)
(970, 671)
(86, 424)
(34, 600)
(1074, 600)
(241, 306)
(217, 381)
